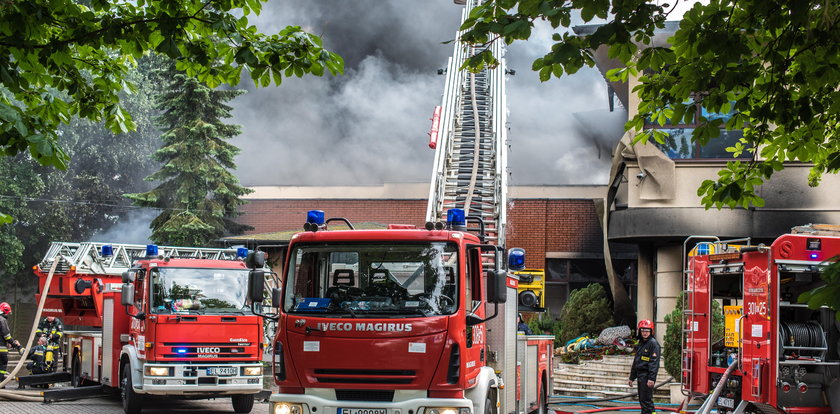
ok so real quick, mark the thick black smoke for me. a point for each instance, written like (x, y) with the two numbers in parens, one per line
(369, 126)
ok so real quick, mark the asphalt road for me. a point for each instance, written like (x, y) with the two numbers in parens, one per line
(113, 406)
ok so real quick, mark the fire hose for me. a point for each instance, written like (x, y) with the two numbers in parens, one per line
(29, 395)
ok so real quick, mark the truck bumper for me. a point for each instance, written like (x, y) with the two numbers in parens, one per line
(200, 379)
(324, 401)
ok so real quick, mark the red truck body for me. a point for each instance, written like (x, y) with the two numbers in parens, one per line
(188, 332)
(786, 354)
(400, 321)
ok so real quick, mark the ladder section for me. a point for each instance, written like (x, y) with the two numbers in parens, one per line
(88, 258)
(471, 157)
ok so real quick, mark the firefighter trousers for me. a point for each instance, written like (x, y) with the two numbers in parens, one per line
(4, 361)
(645, 396)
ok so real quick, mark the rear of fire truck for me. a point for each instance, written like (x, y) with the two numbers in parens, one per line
(784, 356)
(175, 326)
(387, 322)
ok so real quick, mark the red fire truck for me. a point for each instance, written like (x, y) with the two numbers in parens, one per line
(402, 321)
(167, 321)
(781, 355)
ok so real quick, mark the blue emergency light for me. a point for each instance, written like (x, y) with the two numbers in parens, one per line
(181, 350)
(455, 217)
(107, 250)
(703, 248)
(315, 216)
(516, 259)
(242, 252)
(814, 255)
(151, 250)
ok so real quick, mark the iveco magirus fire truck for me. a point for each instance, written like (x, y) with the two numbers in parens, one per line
(168, 321)
(402, 321)
(785, 356)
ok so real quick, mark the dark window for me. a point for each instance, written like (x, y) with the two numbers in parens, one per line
(678, 144)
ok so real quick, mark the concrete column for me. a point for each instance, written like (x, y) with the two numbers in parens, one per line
(645, 282)
(669, 265)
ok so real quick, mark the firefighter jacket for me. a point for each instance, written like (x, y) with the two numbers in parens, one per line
(646, 363)
(53, 330)
(6, 334)
(41, 360)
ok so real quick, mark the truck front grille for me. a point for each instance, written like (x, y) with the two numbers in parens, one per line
(365, 376)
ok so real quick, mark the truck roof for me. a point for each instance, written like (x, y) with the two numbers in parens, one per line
(407, 235)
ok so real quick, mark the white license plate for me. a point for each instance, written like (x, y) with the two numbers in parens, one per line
(222, 371)
(362, 411)
(726, 402)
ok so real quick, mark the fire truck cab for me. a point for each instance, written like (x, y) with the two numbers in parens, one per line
(401, 321)
(785, 356)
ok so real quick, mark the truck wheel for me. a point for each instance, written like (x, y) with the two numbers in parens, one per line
(242, 403)
(131, 401)
(76, 372)
(543, 401)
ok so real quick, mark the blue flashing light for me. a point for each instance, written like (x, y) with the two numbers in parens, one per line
(814, 255)
(456, 217)
(516, 259)
(315, 216)
(181, 350)
(151, 250)
(242, 252)
(107, 250)
(703, 248)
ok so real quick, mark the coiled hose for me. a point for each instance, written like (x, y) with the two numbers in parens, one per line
(28, 395)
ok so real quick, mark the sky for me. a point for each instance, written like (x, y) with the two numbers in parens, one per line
(370, 125)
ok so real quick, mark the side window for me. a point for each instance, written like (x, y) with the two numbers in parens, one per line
(140, 284)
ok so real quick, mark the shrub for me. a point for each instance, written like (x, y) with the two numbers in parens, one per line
(588, 311)
(672, 349)
(543, 323)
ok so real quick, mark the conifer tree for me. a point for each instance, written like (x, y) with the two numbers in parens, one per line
(198, 194)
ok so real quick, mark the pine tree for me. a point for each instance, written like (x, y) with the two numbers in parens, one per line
(198, 194)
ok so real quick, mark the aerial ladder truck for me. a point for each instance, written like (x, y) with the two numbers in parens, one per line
(155, 320)
(410, 320)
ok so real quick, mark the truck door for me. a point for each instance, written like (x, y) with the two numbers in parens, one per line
(755, 327)
(473, 300)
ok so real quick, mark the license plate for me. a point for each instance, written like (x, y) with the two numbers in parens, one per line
(362, 411)
(726, 402)
(221, 371)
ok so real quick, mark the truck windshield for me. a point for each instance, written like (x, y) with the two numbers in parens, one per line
(373, 280)
(182, 290)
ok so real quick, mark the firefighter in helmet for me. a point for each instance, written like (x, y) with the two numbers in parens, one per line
(646, 366)
(7, 341)
(52, 329)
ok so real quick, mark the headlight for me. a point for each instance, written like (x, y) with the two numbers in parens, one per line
(447, 410)
(157, 371)
(252, 371)
(287, 408)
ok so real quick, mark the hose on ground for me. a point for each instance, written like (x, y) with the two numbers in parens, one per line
(21, 396)
(28, 346)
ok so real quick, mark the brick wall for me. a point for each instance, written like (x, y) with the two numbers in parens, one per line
(267, 216)
(537, 225)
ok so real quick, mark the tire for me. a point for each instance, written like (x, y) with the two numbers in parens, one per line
(490, 402)
(542, 401)
(242, 403)
(131, 401)
(76, 372)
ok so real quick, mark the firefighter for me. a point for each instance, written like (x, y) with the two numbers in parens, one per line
(52, 329)
(7, 341)
(40, 358)
(521, 326)
(645, 366)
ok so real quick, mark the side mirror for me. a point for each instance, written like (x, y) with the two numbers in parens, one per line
(256, 286)
(128, 277)
(127, 298)
(275, 297)
(255, 260)
(496, 286)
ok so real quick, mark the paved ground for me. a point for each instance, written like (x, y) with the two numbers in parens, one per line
(112, 406)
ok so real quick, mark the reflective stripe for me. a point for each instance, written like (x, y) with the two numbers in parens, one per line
(644, 358)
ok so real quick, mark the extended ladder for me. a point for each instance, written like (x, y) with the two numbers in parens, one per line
(87, 257)
(470, 169)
